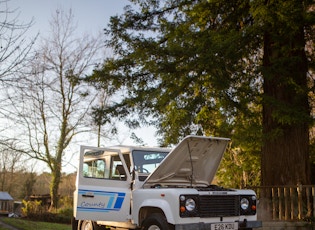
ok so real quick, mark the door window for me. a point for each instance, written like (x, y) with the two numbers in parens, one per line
(104, 165)
(95, 169)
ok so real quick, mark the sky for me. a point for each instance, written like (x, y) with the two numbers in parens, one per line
(91, 16)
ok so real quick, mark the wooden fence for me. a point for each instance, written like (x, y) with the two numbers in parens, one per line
(287, 202)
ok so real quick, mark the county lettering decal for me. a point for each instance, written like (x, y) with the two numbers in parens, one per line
(100, 201)
(93, 205)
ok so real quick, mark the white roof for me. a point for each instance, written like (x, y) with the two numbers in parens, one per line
(129, 148)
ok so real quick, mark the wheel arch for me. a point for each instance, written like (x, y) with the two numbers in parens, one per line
(146, 211)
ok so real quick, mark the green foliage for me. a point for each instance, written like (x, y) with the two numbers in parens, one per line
(66, 202)
(31, 209)
(34, 210)
(66, 212)
(239, 169)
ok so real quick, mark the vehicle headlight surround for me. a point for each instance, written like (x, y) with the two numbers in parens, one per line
(244, 203)
(248, 204)
(190, 204)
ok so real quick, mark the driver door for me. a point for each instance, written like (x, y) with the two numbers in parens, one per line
(103, 186)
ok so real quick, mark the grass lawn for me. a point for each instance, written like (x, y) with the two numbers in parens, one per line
(23, 224)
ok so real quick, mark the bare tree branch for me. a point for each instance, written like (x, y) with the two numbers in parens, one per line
(14, 47)
(49, 105)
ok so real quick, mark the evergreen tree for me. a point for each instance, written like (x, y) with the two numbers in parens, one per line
(227, 68)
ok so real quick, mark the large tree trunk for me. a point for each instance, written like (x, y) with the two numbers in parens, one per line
(285, 152)
(54, 187)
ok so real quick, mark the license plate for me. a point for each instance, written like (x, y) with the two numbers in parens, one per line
(224, 226)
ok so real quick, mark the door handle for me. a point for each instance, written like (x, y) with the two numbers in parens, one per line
(88, 195)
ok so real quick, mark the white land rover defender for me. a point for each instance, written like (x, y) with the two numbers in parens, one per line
(159, 189)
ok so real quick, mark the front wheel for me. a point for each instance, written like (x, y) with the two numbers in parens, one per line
(156, 221)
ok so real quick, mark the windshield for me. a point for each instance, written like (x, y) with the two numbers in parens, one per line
(147, 161)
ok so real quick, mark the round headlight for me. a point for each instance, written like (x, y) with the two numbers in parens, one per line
(244, 203)
(190, 204)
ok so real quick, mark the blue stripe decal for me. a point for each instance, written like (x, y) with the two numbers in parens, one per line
(84, 191)
(119, 202)
(110, 202)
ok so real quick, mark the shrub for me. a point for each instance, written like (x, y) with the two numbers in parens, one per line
(33, 210)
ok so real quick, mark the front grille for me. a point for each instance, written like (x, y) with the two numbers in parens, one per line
(217, 206)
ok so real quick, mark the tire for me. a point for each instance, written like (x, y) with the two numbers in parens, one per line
(85, 225)
(156, 221)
